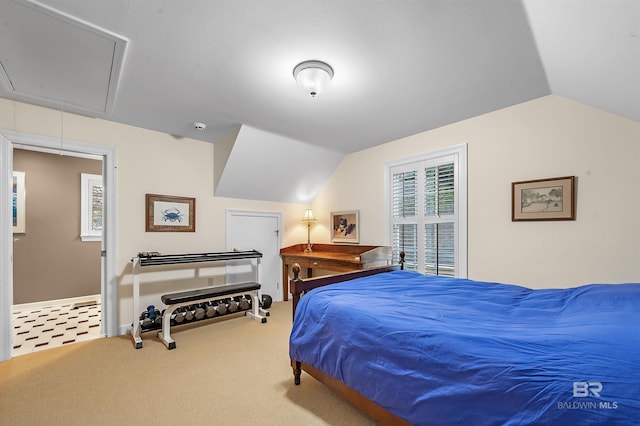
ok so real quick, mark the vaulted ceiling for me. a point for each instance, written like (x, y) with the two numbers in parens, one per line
(401, 67)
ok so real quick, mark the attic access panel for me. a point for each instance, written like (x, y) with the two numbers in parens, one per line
(52, 59)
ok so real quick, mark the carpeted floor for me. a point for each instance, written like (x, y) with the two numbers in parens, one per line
(229, 372)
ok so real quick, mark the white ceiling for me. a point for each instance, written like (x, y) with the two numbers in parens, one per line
(401, 67)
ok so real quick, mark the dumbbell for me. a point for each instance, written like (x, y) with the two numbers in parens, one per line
(151, 310)
(221, 307)
(244, 304)
(145, 322)
(199, 312)
(157, 322)
(179, 316)
(266, 301)
(188, 314)
(249, 299)
(232, 305)
(148, 317)
(210, 310)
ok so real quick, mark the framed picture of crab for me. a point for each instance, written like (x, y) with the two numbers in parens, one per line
(168, 213)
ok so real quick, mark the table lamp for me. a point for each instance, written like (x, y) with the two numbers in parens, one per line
(308, 217)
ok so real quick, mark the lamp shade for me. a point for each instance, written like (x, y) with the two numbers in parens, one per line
(312, 77)
(308, 216)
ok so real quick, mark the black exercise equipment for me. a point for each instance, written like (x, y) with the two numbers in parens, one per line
(198, 313)
(266, 301)
(244, 303)
(210, 310)
(151, 319)
(179, 318)
(195, 305)
(147, 324)
(222, 308)
(232, 305)
(188, 315)
(198, 296)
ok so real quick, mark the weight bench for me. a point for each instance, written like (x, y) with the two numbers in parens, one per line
(177, 300)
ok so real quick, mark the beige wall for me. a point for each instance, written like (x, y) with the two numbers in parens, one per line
(547, 137)
(49, 260)
(151, 162)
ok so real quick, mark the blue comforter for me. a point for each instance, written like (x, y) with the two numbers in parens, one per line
(445, 351)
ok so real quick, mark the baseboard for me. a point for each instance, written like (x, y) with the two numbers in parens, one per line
(80, 301)
(124, 329)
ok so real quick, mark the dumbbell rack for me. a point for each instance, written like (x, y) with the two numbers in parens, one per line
(156, 259)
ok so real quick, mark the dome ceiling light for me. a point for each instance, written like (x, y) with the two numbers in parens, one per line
(313, 77)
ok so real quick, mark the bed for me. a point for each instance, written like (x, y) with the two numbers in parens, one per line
(413, 349)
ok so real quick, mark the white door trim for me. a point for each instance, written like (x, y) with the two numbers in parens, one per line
(10, 140)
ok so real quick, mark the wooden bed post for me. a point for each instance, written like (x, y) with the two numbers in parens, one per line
(297, 372)
(295, 293)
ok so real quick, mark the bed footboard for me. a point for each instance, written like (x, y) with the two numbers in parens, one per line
(299, 286)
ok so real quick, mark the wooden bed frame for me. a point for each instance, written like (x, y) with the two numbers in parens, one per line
(298, 287)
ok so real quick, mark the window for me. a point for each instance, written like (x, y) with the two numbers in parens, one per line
(428, 212)
(91, 207)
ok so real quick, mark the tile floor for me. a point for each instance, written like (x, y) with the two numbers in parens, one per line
(39, 328)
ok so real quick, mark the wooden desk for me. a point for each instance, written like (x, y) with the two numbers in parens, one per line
(331, 257)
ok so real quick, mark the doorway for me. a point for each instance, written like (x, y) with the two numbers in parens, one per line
(249, 230)
(108, 279)
(56, 262)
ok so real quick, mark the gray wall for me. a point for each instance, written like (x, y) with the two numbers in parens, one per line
(49, 260)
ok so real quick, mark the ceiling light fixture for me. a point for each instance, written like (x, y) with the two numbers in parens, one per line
(313, 77)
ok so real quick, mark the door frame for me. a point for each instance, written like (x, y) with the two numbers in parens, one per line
(108, 283)
(253, 213)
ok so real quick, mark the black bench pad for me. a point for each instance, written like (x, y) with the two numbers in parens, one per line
(207, 292)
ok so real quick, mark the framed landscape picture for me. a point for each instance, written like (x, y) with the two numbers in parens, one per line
(345, 227)
(167, 213)
(543, 199)
(18, 208)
